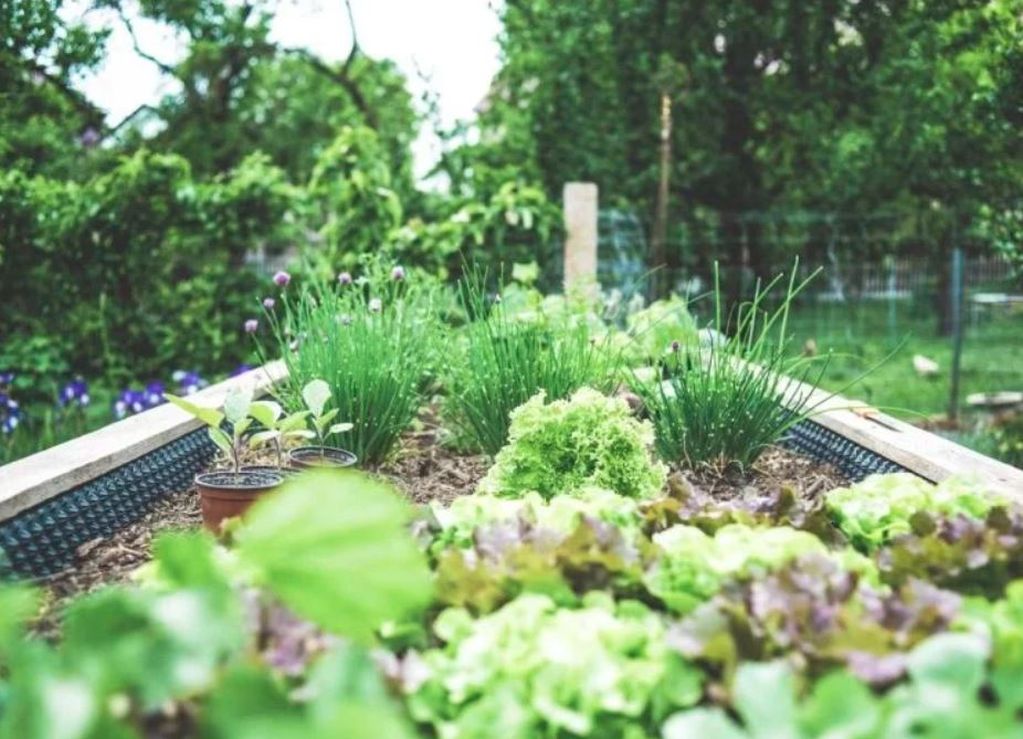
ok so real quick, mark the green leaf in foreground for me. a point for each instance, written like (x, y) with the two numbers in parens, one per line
(333, 547)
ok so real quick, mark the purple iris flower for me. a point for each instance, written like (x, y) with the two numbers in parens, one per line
(6, 377)
(10, 414)
(282, 278)
(74, 393)
(189, 382)
(153, 394)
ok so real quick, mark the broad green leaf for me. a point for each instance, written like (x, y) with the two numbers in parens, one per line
(701, 723)
(840, 707)
(293, 422)
(264, 437)
(237, 404)
(340, 428)
(266, 412)
(316, 394)
(210, 416)
(323, 421)
(333, 546)
(765, 698)
(18, 603)
(955, 660)
(242, 426)
(222, 440)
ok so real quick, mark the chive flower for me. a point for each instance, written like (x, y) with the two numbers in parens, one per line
(675, 346)
(251, 326)
(282, 278)
(398, 274)
(375, 306)
(345, 278)
(269, 303)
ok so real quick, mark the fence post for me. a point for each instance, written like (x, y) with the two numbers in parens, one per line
(580, 208)
(956, 295)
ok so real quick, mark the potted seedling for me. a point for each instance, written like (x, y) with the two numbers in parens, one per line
(227, 493)
(277, 430)
(315, 395)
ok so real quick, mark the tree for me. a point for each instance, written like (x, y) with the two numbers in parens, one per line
(46, 125)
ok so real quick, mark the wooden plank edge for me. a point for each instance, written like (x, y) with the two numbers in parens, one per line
(35, 479)
(928, 455)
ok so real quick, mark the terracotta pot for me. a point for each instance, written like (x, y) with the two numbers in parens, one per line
(304, 457)
(226, 494)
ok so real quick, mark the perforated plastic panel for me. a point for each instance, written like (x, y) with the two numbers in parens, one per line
(43, 539)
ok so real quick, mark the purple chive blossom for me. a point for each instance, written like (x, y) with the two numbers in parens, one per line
(398, 274)
(10, 414)
(269, 303)
(89, 138)
(675, 346)
(282, 278)
(375, 306)
(75, 393)
(345, 278)
(251, 326)
(189, 382)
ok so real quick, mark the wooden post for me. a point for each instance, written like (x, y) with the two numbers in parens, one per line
(659, 236)
(580, 207)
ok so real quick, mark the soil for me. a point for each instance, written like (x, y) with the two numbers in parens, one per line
(424, 470)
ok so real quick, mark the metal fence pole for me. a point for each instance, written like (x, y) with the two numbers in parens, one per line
(956, 294)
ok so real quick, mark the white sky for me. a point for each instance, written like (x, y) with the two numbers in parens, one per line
(452, 42)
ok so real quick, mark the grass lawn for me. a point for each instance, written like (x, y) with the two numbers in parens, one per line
(861, 335)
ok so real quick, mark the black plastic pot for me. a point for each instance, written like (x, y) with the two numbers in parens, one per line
(304, 457)
(223, 495)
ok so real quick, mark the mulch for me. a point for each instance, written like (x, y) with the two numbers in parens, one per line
(424, 470)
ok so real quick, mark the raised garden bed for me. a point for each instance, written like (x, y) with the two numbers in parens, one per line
(568, 584)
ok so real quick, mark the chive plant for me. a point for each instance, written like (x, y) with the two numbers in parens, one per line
(506, 361)
(373, 341)
(722, 402)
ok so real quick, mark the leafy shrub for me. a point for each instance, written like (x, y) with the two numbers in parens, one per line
(537, 670)
(507, 361)
(881, 507)
(659, 326)
(694, 566)
(567, 445)
(725, 403)
(373, 342)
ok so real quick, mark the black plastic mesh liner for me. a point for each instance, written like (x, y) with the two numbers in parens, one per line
(43, 539)
(824, 445)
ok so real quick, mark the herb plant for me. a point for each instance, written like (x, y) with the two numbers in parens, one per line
(507, 361)
(236, 408)
(564, 446)
(278, 428)
(373, 342)
(724, 403)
